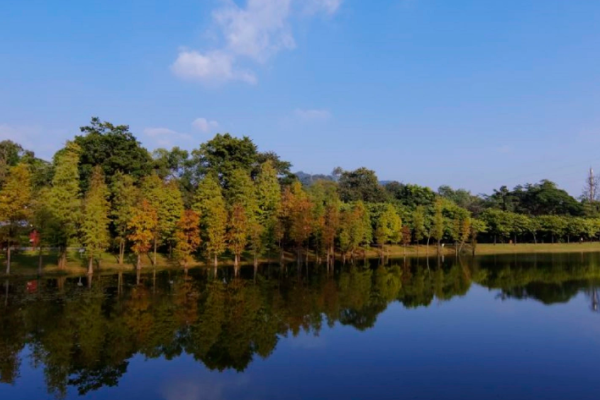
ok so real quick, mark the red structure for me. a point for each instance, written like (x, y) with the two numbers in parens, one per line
(34, 238)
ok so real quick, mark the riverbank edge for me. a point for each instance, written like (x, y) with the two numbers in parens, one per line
(26, 264)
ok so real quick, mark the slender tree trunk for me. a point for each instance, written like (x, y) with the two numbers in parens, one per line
(121, 251)
(40, 260)
(89, 281)
(154, 256)
(138, 265)
(91, 265)
(62, 261)
(8, 259)
(215, 262)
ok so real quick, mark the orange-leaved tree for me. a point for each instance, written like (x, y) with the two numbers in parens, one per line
(187, 236)
(142, 225)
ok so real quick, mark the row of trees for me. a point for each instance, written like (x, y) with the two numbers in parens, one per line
(104, 191)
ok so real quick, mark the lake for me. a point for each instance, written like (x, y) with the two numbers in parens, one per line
(493, 327)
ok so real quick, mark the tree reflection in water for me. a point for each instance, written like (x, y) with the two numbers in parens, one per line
(84, 334)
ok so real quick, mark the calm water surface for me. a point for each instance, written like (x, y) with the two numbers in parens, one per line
(510, 327)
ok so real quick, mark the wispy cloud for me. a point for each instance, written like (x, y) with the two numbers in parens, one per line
(312, 114)
(256, 32)
(166, 137)
(204, 125)
(316, 6)
(213, 68)
(44, 141)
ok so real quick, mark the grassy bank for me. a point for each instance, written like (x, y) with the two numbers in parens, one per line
(491, 249)
(26, 263)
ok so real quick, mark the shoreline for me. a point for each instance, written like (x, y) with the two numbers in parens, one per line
(25, 265)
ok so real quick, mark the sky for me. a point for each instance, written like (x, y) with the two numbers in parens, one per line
(474, 94)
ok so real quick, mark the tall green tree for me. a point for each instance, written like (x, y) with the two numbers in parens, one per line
(113, 148)
(42, 222)
(419, 224)
(15, 206)
(166, 199)
(65, 199)
(438, 226)
(361, 184)
(237, 231)
(388, 228)
(268, 198)
(125, 197)
(210, 204)
(95, 221)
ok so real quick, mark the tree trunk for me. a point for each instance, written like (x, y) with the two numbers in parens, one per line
(8, 259)
(121, 251)
(216, 262)
(91, 266)
(120, 283)
(138, 265)
(40, 261)
(62, 261)
(154, 255)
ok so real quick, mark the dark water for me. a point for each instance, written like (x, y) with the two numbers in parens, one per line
(524, 327)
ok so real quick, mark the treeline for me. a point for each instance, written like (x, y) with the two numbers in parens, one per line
(84, 335)
(104, 191)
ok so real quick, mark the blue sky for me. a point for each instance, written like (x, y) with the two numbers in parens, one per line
(470, 93)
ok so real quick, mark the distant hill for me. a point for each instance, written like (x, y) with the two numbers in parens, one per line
(308, 179)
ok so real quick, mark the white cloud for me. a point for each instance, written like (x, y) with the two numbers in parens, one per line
(328, 6)
(312, 115)
(204, 125)
(210, 68)
(256, 31)
(166, 137)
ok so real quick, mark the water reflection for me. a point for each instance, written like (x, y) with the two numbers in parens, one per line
(84, 333)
